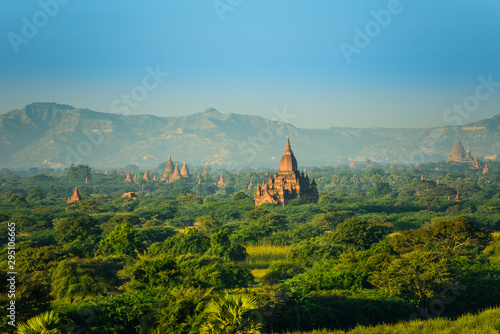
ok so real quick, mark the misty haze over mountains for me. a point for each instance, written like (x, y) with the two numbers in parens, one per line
(54, 135)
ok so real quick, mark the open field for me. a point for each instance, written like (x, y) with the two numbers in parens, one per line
(262, 256)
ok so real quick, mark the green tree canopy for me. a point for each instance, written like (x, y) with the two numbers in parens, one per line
(123, 240)
(78, 235)
(456, 236)
(79, 173)
(359, 233)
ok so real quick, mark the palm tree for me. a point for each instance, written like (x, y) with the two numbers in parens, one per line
(45, 323)
(232, 314)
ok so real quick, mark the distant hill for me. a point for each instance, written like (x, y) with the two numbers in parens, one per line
(54, 135)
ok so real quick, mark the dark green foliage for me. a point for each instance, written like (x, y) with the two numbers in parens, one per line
(416, 277)
(181, 222)
(211, 271)
(42, 238)
(122, 314)
(75, 278)
(310, 251)
(188, 199)
(34, 279)
(337, 309)
(280, 271)
(329, 274)
(133, 220)
(149, 272)
(79, 235)
(358, 233)
(350, 271)
(176, 310)
(456, 236)
(208, 223)
(220, 245)
(330, 220)
(150, 235)
(122, 240)
(181, 311)
(78, 173)
(252, 233)
(36, 194)
(255, 213)
(191, 241)
(380, 189)
(28, 223)
(239, 195)
(18, 201)
(274, 220)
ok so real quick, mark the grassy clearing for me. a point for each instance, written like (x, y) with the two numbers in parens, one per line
(485, 322)
(258, 274)
(262, 256)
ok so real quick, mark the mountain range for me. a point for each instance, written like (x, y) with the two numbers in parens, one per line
(55, 135)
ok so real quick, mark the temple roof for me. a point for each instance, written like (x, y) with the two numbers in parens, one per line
(76, 196)
(288, 161)
(176, 171)
(184, 170)
(458, 150)
(169, 168)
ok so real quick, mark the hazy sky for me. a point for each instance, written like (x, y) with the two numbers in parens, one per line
(329, 63)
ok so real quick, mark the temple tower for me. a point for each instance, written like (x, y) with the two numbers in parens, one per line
(184, 170)
(175, 175)
(76, 196)
(287, 184)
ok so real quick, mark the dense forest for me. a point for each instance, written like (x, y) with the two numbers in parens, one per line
(397, 249)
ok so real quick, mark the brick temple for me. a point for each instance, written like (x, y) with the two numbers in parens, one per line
(287, 184)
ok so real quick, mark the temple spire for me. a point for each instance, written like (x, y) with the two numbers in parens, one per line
(169, 168)
(184, 170)
(288, 161)
(76, 196)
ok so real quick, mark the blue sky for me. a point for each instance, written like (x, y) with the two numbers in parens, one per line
(261, 55)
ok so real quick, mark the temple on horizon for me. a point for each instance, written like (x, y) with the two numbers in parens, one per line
(172, 173)
(287, 184)
(459, 156)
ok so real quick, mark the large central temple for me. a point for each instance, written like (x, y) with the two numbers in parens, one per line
(287, 184)
(459, 156)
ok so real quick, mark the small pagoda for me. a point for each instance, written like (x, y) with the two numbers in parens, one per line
(76, 196)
